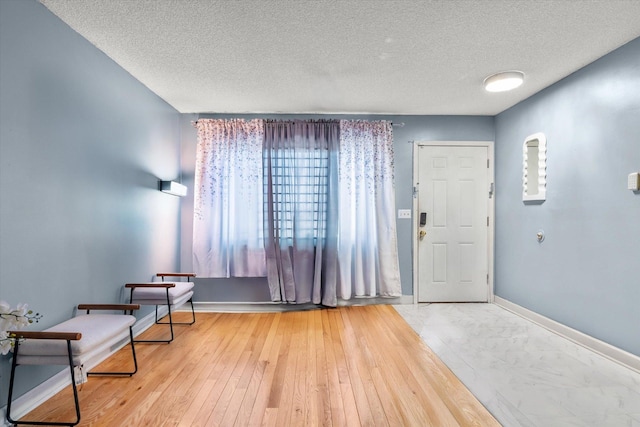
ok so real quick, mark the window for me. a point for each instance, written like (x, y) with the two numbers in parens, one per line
(298, 180)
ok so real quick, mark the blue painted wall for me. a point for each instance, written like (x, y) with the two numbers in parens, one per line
(586, 273)
(416, 128)
(82, 145)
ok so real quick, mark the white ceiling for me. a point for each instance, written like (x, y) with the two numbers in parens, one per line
(348, 56)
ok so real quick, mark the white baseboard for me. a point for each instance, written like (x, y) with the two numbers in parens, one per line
(44, 391)
(615, 354)
(276, 307)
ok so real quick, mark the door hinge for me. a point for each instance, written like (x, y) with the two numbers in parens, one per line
(487, 163)
(487, 278)
(487, 221)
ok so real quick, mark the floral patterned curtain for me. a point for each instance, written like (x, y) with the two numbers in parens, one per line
(368, 250)
(263, 209)
(228, 199)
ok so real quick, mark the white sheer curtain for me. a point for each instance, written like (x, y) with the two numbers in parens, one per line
(368, 250)
(228, 199)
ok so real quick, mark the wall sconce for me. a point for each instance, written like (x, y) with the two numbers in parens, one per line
(174, 188)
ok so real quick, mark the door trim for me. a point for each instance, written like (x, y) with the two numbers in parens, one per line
(491, 209)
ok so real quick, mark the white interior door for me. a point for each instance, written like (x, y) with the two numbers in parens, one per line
(453, 252)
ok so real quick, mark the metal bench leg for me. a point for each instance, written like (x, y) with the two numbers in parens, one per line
(193, 316)
(133, 355)
(42, 423)
(170, 321)
(193, 313)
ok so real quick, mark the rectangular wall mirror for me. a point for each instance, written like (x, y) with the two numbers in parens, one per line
(534, 167)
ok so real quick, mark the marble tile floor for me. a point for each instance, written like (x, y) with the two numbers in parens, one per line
(524, 374)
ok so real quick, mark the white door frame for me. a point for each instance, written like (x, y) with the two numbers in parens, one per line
(491, 212)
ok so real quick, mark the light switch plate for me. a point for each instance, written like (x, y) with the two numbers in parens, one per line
(633, 182)
(404, 213)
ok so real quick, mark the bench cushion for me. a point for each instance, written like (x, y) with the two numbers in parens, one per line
(179, 294)
(98, 331)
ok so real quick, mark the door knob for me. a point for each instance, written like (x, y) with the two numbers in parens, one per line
(422, 234)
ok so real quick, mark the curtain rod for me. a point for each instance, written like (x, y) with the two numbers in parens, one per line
(401, 124)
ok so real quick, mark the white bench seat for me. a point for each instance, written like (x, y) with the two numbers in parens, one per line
(73, 343)
(99, 332)
(169, 294)
(156, 293)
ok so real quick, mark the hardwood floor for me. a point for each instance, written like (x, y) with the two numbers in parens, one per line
(349, 366)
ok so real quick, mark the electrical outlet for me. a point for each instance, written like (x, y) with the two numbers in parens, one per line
(404, 213)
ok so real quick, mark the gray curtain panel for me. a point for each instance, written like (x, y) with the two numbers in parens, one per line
(301, 210)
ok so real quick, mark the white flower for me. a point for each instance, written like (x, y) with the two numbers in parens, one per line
(20, 313)
(6, 320)
(5, 344)
(4, 307)
(13, 319)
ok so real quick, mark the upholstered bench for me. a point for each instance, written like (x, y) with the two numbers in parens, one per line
(169, 294)
(74, 342)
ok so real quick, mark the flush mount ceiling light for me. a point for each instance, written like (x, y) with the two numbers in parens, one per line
(504, 81)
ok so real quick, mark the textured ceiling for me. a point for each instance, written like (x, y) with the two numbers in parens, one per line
(348, 56)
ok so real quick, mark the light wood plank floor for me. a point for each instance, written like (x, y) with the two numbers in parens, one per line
(349, 366)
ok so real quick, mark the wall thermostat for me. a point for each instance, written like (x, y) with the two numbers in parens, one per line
(634, 181)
